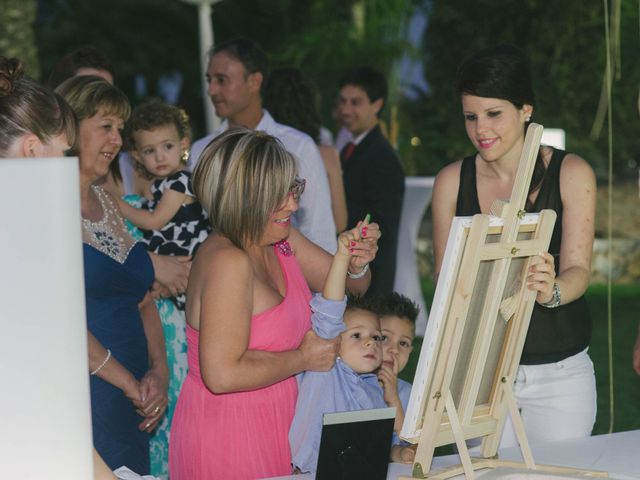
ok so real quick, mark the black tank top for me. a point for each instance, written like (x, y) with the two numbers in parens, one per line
(554, 333)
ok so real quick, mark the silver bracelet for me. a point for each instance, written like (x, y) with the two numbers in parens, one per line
(556, 297)
(360, 274)
(104, 362)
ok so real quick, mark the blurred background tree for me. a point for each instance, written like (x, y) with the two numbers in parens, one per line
(17, 37)
(143, 39)
(565, 41)
(153, 37)
(324, 38)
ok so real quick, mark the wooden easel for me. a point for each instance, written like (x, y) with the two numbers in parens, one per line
(470, 383)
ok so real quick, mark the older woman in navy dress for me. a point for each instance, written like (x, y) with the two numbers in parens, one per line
(127, 358)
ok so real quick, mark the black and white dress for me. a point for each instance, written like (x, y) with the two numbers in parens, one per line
(188, 228)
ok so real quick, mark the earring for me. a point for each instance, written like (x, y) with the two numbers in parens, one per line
(528, 118)
(185, 156)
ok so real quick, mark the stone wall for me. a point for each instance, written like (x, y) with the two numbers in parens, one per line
(624, 261)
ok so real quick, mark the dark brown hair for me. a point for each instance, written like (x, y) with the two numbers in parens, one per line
(503, 72)
(28, 107)
(153, 114)
(291, 99)
(68, 65)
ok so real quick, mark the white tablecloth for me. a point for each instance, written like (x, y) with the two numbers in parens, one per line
(618, 454)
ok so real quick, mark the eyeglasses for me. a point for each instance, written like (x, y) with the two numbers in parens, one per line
(297, 188)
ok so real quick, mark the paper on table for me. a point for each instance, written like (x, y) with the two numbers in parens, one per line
(123, 473)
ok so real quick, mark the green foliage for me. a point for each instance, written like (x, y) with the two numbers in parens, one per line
(323, 38)
(150, 37)
(626, 384)
(16, 33)
(565, 41)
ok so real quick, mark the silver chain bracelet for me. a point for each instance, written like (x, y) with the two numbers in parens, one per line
(360, 274)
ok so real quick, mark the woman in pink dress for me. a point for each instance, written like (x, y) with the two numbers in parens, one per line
(248, 314)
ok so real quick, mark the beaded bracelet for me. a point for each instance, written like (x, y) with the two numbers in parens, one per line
(360, 274)
(104, 362)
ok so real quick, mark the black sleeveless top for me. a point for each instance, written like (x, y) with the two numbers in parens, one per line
(554, 333)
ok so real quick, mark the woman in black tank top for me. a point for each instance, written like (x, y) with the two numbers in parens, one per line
(497, 102)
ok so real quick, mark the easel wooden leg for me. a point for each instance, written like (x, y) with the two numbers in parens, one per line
(465, 458)
(518, 424)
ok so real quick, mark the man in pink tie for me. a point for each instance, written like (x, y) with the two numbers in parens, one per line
(372, 172)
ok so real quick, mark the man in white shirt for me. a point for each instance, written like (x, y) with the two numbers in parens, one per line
(235, 73)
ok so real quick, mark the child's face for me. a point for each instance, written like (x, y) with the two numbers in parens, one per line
(361, 346)
(397, 342)
(160, 150)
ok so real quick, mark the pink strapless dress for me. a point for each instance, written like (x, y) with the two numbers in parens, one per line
(242, 435)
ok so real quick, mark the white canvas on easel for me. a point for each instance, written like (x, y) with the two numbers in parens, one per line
(442, 297)
(478, 323)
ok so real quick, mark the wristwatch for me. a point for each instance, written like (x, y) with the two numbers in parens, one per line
(555, 297)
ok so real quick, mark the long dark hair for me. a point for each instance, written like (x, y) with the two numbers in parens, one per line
(503, 72)
(291, 99)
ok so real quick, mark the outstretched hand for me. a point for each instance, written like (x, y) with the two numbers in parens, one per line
(348, 241)
(364, 246)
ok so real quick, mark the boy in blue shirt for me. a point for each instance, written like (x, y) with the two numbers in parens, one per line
(352, 383)
(397, 316)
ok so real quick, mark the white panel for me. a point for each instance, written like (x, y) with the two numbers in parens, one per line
(44, 405)
(417, 196)
(554, 137)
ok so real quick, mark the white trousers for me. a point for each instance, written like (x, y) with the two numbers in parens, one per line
(557, 401)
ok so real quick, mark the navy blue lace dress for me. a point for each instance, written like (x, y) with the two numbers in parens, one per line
(118, 273)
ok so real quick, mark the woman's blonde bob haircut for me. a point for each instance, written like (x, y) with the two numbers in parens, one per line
(242, 178)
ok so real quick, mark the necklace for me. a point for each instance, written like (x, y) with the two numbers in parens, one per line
(107, 235)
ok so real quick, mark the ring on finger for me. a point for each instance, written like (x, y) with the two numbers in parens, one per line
(156, 410)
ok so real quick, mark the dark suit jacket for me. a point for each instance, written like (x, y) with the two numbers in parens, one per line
(374, 183)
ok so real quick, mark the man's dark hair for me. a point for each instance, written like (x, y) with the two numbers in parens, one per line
(369, 79)
(247, 52)
(395, 304)
(86, 56)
